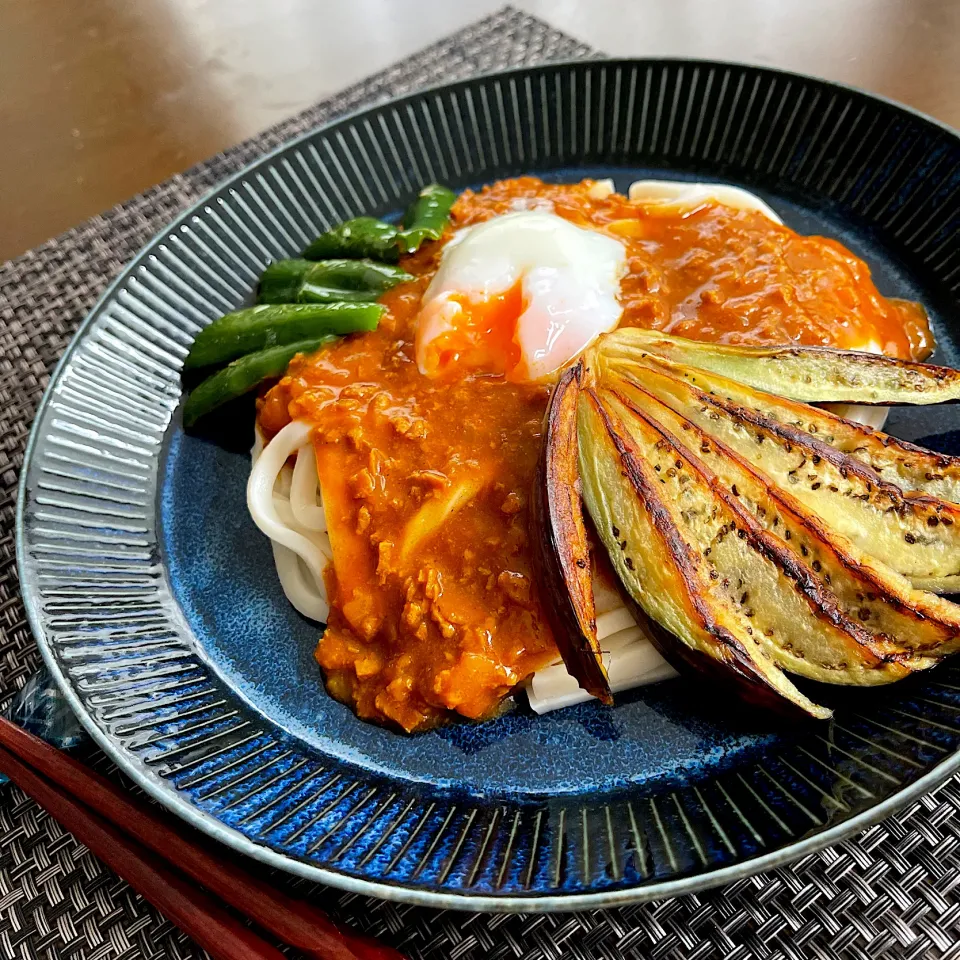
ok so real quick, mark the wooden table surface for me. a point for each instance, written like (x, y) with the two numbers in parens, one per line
(102, 98)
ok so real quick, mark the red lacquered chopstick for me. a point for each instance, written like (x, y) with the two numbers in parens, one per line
(293, 921)
(197, 914)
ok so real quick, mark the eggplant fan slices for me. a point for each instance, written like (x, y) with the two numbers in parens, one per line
(760, 536)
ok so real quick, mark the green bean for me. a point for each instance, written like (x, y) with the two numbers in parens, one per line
(355, 239)
(364, 237)
(428, 216)
(280, 282)
(286, 281)
(317, 293)
(244, 375)
(256, 328)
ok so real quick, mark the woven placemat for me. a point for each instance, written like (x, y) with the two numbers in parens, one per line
(891, 892)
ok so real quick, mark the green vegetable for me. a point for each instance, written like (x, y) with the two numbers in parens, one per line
(259, 327)
(305, 281)
(281, 281)
(367, 237)
(244, 375)
(355, 239)
(427, 217)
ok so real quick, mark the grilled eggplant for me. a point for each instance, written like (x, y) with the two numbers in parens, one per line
(812, 374)
(661, 573)
(908, 466)
(905, 464)
(761, 536)
(561, 547)
(903, 619)
(777, 595)
(913, 533)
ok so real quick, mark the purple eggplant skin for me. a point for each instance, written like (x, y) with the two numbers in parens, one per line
(561, 547)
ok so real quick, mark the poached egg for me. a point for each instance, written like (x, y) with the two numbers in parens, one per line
(521, 294)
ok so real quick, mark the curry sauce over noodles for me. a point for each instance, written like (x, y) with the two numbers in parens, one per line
(426, 480)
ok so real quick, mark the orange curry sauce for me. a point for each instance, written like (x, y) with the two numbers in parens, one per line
(426, 481)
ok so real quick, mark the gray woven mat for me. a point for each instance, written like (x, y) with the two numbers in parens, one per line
(891, 892)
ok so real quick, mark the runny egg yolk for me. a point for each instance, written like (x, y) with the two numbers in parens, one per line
(478, 335)
(521, 295)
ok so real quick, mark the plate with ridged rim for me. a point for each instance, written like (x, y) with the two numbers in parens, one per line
(156, 607)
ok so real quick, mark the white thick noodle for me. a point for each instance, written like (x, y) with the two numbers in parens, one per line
(601, 189)
(305, 491)
(628, 654)
(617, 619)
(307, 595)
(874, 417)
(285, 508)
(631, 661)
(682, 195)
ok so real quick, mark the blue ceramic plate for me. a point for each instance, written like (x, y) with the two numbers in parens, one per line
(155, 602)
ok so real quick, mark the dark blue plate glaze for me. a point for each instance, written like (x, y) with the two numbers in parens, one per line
(156, 604)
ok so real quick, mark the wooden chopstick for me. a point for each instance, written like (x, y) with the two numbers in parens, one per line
(193, 911)
(293, 921)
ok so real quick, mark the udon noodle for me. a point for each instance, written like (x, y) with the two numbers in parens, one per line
(285, 504)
